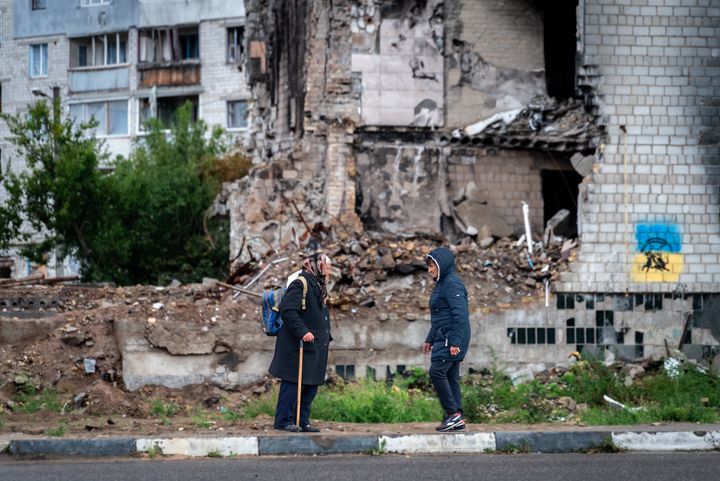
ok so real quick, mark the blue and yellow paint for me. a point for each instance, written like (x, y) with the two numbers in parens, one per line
(658, 256)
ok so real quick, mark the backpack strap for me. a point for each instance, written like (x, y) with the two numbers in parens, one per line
(305, 290)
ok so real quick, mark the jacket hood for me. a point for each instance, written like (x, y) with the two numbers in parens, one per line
(444, 259)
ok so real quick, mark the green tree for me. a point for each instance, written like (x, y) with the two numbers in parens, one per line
(156, 204)
(142, 221)
(58, 194)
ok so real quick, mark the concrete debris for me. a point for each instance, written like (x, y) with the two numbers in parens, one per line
(545, 125)
(472, 217)
(556, 225)
(502, 119)
(583, 164)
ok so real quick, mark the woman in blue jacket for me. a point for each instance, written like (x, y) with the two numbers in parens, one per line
(449, 335)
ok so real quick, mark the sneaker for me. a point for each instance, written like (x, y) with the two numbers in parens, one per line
(450, 421)
(460, 426)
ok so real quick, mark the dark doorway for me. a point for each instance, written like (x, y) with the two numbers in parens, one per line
(560, 31)
(560, 190)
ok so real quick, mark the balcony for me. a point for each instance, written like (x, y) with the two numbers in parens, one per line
(99, 62)
(99, 78)
(169, 74)
(169, 57)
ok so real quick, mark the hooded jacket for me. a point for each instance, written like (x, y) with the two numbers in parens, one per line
(449, 317)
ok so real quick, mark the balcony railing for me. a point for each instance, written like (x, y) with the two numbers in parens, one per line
(111, 77)
(169, 74)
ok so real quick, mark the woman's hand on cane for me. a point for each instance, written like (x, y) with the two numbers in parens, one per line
(308, 337)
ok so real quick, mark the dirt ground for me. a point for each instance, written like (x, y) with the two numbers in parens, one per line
(373, 278)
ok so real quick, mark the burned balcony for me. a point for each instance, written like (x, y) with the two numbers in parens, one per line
(169, 57)
(99, 62)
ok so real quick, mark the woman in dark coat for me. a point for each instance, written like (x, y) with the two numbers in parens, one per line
(449, 335)
(311, 324)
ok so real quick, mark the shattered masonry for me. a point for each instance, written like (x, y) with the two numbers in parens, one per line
(444, 116)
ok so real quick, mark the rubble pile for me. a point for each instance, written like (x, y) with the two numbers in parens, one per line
(544, 124)
(388, 272)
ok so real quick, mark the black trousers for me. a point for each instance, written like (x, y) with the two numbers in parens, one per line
(287, 404)
(445, 377)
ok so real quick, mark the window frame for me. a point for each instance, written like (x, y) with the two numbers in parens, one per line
(167, 128)
(105, 101)
(238, 43)
(94, 3)
(43, 72)
(105, 46)
(36, 7)
(227, 115)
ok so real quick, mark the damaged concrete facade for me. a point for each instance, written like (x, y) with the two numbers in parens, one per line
(444, 116)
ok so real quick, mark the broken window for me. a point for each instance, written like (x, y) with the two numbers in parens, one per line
(237, 114)
(560, 38)
(235, 45)
(560, 189)
(111, 115)
(170, 44)
(39, 4)
(165, 108)
(98, 50)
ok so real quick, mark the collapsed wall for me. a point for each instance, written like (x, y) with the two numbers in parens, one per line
(447, 115)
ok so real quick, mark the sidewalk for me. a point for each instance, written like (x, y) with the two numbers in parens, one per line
(478, 439)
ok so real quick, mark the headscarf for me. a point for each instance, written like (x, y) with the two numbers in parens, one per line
(318, 265)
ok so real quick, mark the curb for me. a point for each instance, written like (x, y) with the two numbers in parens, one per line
(551, 442)
(467, 443)
(73, 447)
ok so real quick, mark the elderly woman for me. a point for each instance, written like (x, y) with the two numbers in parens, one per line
(449, 335)
(305, 317)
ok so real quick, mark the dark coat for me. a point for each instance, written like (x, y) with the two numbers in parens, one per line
(449, 318)
(314, 318)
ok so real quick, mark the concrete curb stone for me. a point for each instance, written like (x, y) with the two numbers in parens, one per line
(229, 446)
(439, 443)
(550, 442)
(667, 441)
(317, 444)
(71, 447)
(473, 442)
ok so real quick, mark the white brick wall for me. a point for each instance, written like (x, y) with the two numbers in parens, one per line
(659, 61)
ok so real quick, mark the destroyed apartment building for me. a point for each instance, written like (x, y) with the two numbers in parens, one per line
(445, 117)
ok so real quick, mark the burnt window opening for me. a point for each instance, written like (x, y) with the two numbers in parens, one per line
(560, 32)
(165, 109)
(560, 189)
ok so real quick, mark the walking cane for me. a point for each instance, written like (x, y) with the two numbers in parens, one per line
(297, 416)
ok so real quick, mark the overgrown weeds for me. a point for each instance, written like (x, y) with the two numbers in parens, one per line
(577, 395)
(30, 399)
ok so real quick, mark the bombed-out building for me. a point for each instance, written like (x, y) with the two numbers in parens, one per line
(448, 115)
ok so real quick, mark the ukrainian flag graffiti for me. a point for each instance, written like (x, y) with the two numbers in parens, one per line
(659, 255)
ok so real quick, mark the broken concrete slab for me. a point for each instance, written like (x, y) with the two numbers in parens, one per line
(583, 164)
(471, 214)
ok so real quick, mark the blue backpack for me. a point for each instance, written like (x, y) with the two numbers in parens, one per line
(271, 298)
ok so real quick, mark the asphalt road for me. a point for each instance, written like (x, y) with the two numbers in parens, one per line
(521, 467)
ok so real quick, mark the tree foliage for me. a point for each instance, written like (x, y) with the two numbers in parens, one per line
(142, 221)
(58, 193)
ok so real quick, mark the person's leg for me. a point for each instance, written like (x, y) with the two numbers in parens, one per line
(439, 378)
(453, 377)
(286, 405)
(306, 399)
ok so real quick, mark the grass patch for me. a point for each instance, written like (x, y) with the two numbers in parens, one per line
(692, 396)
(202, 420)
(30, 400)
(160, 409)
(58, 431)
